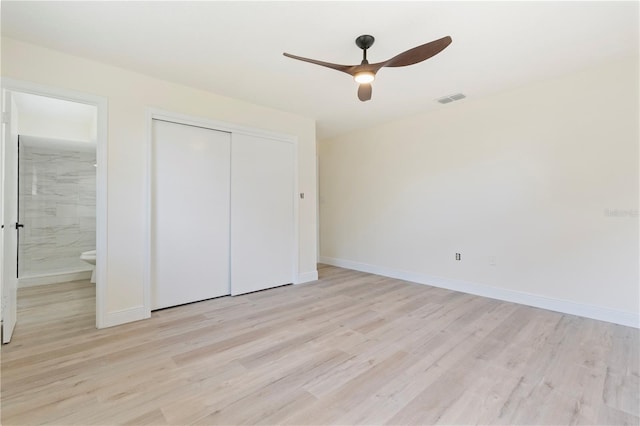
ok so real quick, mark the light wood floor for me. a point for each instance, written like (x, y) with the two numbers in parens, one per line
(351, 348)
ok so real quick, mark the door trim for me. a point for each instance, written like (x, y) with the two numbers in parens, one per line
(101, 104)
(159, 114)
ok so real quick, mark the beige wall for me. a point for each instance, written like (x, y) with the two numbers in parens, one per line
(129, 94)
(543, 179)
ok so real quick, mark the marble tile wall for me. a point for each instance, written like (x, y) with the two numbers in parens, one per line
(57, 205)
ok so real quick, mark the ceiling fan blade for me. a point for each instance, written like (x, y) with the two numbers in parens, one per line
(364, 92)
(418, 54)
(344, 68)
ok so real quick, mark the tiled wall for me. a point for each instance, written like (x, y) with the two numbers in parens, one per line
(57, 205)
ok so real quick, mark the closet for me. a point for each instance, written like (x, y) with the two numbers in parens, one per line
(222, 213)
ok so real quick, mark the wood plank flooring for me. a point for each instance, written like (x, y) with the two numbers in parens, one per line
(352, 348)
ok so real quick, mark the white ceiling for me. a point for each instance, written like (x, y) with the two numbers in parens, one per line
(235, 48)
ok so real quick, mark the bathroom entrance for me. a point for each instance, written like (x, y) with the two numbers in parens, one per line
(49, 211)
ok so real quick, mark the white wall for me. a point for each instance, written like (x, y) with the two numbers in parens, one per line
(51, 127)
(129, 94)
(55, 118)
(543, 178)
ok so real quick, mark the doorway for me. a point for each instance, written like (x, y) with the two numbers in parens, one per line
(54, 199)
(56, 189)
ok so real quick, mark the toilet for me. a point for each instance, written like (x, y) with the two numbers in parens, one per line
(90, 257)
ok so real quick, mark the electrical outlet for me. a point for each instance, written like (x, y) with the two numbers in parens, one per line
(492, 260)
(458, 256)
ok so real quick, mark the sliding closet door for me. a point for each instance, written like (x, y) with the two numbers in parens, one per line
(190, 214)
(262, 221)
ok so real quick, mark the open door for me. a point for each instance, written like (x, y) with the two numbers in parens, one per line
(10, 216)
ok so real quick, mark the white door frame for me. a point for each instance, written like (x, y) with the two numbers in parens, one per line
(159, 114)
(101, 175)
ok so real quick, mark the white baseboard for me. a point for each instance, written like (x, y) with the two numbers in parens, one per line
(60, 277)
(629, 319)
(124, 316)
(305, 277)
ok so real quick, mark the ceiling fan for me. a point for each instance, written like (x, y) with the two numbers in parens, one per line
(365, 73)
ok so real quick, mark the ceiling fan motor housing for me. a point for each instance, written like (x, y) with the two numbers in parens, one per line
(365, 41)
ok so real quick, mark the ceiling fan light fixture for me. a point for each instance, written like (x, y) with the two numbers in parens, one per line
(364, 77)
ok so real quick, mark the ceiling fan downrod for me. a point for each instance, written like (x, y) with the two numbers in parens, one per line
(364, 42)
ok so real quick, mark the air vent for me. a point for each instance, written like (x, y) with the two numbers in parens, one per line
(451, 98)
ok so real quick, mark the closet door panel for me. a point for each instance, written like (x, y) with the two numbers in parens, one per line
(190, 184)
(262, 220)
